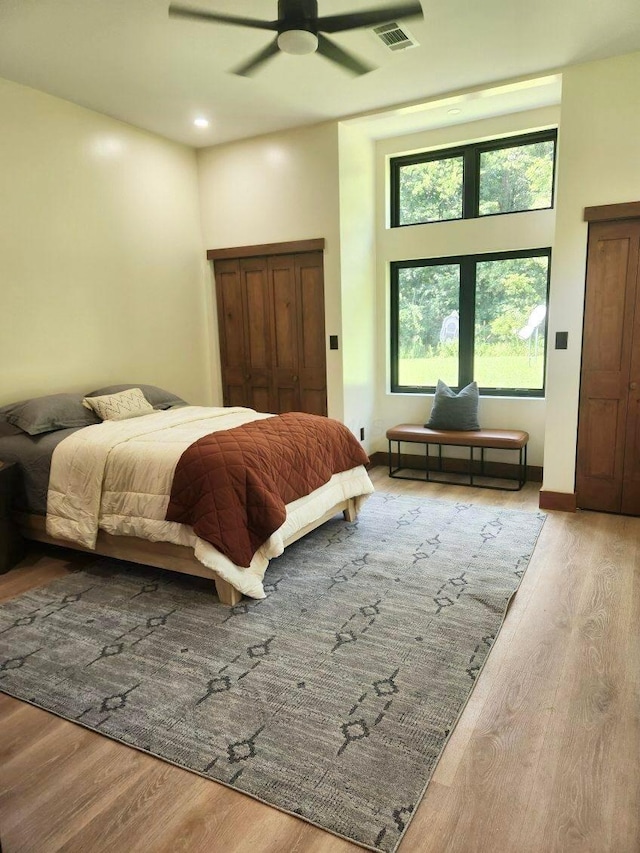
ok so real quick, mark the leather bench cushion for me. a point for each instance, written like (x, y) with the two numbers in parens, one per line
(498, 438)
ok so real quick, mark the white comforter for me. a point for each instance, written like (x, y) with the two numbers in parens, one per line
(117, 475)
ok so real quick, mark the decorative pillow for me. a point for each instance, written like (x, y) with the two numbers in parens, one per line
(454, 411)
(46, 414)
(119, 407)
(158, 397)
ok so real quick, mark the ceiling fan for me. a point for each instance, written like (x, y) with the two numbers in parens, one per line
(300, 30)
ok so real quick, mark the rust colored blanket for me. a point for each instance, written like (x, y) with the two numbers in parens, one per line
(232, 486)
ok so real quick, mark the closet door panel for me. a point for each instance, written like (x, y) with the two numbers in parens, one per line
(312, 368)
(284, 302)
(287, 399)
(235, 395)
(631, 481)
(282, 272)
(257, 296)
(258, 366)
(231, 332)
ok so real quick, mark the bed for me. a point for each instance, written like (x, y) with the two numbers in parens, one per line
(109, 486)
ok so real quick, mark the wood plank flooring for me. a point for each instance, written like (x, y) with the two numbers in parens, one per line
(544, 758)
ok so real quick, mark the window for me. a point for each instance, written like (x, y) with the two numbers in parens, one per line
(470, 317)
(480, 179)
(431, 190)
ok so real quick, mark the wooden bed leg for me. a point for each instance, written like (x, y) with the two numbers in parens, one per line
(227, 594)
(350, 513)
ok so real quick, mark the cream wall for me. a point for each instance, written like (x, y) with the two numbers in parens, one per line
(491, 234)
(102, 277)
(273, 189)
(358, 272)
(599, 163)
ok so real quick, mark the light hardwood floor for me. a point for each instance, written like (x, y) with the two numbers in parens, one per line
(545, 758)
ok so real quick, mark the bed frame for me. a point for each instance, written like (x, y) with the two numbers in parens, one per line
(165, 555)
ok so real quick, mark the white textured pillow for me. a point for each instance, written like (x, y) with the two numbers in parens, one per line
(119, 407)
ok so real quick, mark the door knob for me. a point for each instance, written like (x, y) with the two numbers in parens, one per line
(295, 378)
(633, 386)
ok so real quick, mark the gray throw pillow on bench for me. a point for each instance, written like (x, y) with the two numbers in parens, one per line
(454, 411)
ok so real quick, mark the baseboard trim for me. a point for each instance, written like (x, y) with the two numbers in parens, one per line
(456, 465)
(560, 501)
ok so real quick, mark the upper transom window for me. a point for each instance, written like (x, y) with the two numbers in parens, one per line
(480, 179)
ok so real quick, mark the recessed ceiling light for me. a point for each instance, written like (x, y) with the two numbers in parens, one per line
(201, 121)
(454, 112)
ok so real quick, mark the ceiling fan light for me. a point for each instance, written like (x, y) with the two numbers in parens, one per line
(298, 42)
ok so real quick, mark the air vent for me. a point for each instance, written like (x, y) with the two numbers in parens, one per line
(394, 36)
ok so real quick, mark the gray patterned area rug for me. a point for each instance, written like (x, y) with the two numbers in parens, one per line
(331, 699)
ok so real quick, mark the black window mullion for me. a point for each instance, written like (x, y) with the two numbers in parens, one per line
(467, 320)
(394, 190)
(471, 183)
(395, 325)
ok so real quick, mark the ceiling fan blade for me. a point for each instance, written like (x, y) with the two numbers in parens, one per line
(335, 53)
(251, 65)
(369, 17)
(255, 23)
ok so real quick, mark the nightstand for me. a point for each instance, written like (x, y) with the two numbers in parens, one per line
(11, 543)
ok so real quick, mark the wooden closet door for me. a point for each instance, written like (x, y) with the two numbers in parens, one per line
(242, 292)
(272, 333)
(231, 327)
(608, 459)
(631, 479)
(312, 362)
(254, 276)
(284, 327)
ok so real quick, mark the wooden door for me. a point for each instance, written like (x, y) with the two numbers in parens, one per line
(231, 326)
(254, 282)
(298, 333)
(271, 324)
(608, 461)
(284, 326)
(312, 360)
(242, 289)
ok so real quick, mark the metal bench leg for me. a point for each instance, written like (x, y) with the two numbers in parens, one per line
(394, 471)
(520, 469)
(523, 466)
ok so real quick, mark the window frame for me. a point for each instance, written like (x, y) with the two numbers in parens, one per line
(466, 336)
(470, 154)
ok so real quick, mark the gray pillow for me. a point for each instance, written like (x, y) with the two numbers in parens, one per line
(158, 397)
(7, 429)
(46, 414)
(454, 411)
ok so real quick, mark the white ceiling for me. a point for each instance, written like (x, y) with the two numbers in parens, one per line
(127, 59)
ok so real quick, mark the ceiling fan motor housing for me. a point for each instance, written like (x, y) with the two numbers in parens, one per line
(297, 15)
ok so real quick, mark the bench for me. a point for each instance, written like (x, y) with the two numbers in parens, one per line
(493, 439)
